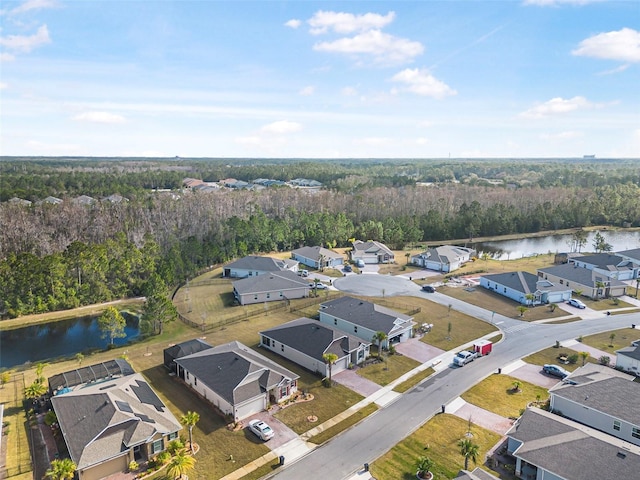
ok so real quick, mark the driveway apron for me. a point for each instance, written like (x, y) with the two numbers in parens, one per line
(353, 381)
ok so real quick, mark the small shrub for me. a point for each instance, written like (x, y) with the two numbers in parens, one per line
(162, 458)
(326, 383)
(604, 360)
(133, 466)
(175, 446)
(573, 358)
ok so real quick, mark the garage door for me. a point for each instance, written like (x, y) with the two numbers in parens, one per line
(251, 407)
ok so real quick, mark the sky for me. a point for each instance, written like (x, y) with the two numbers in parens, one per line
(320, 79)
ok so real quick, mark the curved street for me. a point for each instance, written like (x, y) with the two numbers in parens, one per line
(346, 454)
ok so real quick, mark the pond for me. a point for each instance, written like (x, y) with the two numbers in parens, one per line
(526, 247)
(59, 339)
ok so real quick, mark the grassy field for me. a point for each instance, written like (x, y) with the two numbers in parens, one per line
(551, 354)
(496, 394)
(622, 338)
(18, 459)
(437, 439)
(393, 366)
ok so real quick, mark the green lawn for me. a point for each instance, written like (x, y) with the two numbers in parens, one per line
(622, 338)
(386, 372)
(437, 439)
(551, 354)
(495, 394)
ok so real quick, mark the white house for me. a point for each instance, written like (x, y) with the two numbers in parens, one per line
(609, 265)
(317, 257)
(364, 319)
(304, 341)
(270, 287)
(237, 380)
(252, 266)
(446, 258)
(628, 359)
(371, 252)
(519, 285)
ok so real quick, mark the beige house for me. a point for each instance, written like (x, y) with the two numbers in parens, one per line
(590, 283)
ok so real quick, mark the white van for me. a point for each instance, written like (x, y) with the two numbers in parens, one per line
(360, 263)
(304, 273)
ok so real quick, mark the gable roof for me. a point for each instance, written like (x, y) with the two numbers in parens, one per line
(187, 348)
(603, 391)
(605, 261)
(525, 282)
(314, 338)
(583, 276)
(634, 253)
(631, 352)
(371, 247)
(445, 254)
(105, 419)
(235, 372)
(261, 264)
(367, 314)
(551, 441)
(313, 253)
(269, 282)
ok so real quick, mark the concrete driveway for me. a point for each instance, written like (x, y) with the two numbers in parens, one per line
(353, 381)
(479, 416)
(376, 285)
(532, 374)
(417, 350)
(283, 434)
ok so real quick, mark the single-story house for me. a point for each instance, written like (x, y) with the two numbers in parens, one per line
(550, 446)
(270, 287)
(564, 257)
(95, 373)
(446, 258)
(317, 257)
(364, 319)
(610, 266)
(109, 423)
(182, 350)
(628, 360)
(633, 255)
(252, 266)
(591, 283)
(518, 285)
(371, 252)
(237, 380)
(304, 341)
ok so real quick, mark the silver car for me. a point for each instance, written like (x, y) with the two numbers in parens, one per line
(261, 430)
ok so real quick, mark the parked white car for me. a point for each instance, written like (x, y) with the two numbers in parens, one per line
(574, 302)
(464, 357)
(261, 429)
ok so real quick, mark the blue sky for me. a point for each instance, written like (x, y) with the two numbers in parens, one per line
(392, 79)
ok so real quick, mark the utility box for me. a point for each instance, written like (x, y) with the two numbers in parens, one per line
(482, 347)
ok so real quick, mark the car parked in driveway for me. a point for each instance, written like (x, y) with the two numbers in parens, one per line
(555, 370)
(261, 430)
(574, 302)
(347, 268)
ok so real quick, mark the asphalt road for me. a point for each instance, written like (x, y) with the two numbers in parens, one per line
(347, 453)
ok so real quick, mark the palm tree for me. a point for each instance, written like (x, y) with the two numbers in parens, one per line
(530, 298)
(516, 385)
(611, 338)
(599, 286)
(584, 356)
(424, 464)
(189, 420)
(522, 309)
(468, 450)
(378, 338)
(63, 469)
(181, 464)
(329, 359)
(407, 255)
(35, 390)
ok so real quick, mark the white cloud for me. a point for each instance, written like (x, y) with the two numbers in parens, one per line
(613, 71)
(99, 117)
(281, 127)
(4, 86)
(345, 23)
(349, 92)
(307, 91)
(6, 57)
(422, 141)
(293, 23)
(569, 135)
(26, 43)
(623, 45)
(556, 106)
(421, 82)
(30, 5)
(384, 48)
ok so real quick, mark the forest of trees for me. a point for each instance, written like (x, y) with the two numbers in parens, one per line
(61, 256)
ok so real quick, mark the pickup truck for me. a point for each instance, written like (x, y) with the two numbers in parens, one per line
(462, 358)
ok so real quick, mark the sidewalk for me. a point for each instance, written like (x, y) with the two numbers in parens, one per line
(299, 447)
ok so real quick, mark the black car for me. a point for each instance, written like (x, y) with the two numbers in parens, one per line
(347, 268)
(428, 289)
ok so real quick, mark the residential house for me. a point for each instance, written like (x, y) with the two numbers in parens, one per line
(109, 423)
(84, 200)
(590, 283)
(593, 417)
(115, 198)
(608, 265)
(371, 252)
(519, 285)
(270, 287)
(191, 182)
(317, 257)
(252, 266)
(182, 350)
(364, 319)
(304, 341)
(632, 255)
(628, 360)
(52, 200)
(237, 380)
(446, 258)
(305, 183)
(20, 201)
(477, 474)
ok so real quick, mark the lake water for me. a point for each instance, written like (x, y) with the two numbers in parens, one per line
(526, 247)
(60, 338)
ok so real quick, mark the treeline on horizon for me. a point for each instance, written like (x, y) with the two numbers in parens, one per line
(61, 256)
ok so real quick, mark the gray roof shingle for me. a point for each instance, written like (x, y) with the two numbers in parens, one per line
(270, 282)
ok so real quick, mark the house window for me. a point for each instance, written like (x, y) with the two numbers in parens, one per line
(505, 290)
(616, 425)
(360, 354)
(355, 329)
(157, 446)
(561, 282)
(266, 341)
(335, 321)
(280, 294)
(187, 375)
(255, 297)
(268, 295)
(635, 432)
(195, 381)
(251, 274)
(282, 347)
(172, 436)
